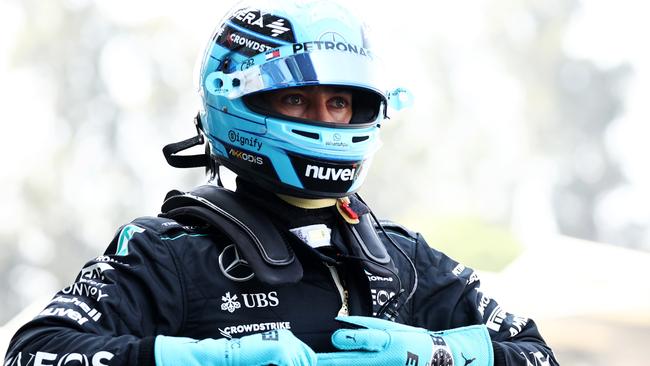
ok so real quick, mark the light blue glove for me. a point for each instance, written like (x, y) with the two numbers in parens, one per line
(277, 347)
(383, 343)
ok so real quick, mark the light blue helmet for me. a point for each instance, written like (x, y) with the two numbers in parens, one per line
(261, 46)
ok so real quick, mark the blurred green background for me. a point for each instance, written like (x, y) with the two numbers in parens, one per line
(524, 155)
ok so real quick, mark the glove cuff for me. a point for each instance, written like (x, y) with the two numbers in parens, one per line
(146, 352)
(170, 351)
(467, 344)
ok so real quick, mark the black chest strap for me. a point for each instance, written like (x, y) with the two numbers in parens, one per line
(254, 235)
(383, 276)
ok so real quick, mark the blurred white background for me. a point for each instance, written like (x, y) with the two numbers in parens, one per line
(528, 130)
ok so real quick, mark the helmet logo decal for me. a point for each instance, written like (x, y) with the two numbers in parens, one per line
(233, 266)
(337, 140)
(272, 55)
(332, 37)
(329, 45)
(264, 24)
(251, 158)
(334, 174)
(243, 43)
(250, 17)
(253, 142)
(319, 175)
(242, 158)
(277, 27)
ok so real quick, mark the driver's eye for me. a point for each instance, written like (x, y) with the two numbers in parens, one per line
(339, 102)
(293, 99)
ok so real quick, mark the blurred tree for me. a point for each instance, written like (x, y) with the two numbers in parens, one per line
(92, 174)
(569, 104)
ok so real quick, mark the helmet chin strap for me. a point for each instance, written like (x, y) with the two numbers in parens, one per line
(308, 203)
(342, 205)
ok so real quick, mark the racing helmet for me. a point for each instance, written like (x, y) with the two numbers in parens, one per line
(263, 46)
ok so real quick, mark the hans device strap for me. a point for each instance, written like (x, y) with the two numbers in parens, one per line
(187, 161)
(256, 238)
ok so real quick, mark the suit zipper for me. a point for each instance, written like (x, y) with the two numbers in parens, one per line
(343, 293)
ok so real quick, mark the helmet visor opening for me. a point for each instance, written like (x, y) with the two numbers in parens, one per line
(357, 106)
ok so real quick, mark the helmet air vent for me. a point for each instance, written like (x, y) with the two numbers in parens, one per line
(311, 135)
(360, 138)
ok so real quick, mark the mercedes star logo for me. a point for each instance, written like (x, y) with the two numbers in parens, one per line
(332, 37)
(233, 266)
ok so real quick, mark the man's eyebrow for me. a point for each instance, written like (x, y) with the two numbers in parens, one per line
(338, 89)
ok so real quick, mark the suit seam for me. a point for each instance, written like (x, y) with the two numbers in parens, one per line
(181, 281)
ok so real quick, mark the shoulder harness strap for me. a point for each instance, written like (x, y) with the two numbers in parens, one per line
(254, 235)
(386, 286)
(362, 235)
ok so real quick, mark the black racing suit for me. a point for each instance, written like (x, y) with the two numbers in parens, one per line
(161, 277)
